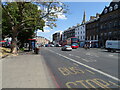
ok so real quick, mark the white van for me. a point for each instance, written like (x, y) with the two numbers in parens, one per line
(112, 45)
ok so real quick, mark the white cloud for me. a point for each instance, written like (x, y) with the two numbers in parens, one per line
(45, 31)
(62, 16)
(59, 14)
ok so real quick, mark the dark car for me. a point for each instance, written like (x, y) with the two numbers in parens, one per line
(58, 45)
(66, 48)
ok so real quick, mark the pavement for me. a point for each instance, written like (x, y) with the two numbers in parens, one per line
(26, 71)
(80, 68)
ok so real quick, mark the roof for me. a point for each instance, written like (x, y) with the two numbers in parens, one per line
(112, 4)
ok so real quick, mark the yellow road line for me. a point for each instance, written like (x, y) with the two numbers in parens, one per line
(114, 83)
(75, 64)
(89, 71)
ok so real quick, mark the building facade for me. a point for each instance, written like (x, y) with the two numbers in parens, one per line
(41, 40)
(70, 32)
(57, 37)
(105, 27)
(80, 32)
(110, 23)
(92, 31)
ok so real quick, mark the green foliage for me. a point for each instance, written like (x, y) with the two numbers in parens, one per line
(21, 19)
(25, 16)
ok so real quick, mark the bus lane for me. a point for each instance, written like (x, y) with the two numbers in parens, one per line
(70, 74)
(86, 78)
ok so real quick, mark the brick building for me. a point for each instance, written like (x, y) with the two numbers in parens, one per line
(110, 23)
(92, 31)
(105, 27)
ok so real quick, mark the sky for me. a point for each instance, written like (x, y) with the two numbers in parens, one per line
(74, 16)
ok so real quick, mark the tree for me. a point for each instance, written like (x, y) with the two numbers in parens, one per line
(25, 17)
(0, 22)
(19, 17)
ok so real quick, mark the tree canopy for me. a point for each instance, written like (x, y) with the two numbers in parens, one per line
(21, 19)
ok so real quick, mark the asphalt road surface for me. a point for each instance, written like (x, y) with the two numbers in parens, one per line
(80, 68)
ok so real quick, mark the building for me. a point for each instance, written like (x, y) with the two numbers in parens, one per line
(57, 37)
(80, 31)
(92, 31)
(70, 32)
(105, 26)
(41, 40)
(109, 23)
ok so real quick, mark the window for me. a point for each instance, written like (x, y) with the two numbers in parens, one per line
(110, 9)
(83, 37)
(101, 34)
(109, 33)
(93, 37)
(90, 37)
(87, 38)
(105, 34)
(105, 11)
(81, 32)
(101, 27)
(97, 37)
(115, 7)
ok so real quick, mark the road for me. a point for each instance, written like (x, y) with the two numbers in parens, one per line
(80, 68)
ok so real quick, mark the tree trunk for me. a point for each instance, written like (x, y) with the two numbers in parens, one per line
(14, 40)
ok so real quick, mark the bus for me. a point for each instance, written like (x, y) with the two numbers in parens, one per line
(73, 42)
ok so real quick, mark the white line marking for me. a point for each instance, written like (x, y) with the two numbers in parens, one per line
(103, 73)
(77, 56)
(110, 55)
(70, 55)
(86, 60)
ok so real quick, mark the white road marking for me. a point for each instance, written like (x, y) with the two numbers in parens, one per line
(70, 55)
(86, 60)
(92, 54)
(101, 72)
(110, 55)
(77, 56)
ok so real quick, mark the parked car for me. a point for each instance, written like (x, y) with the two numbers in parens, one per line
(58, 45)
(51, 45)
(66, 48)
(46, 45)
(74, 45)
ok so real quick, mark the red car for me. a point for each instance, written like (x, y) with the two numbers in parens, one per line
(74, 45)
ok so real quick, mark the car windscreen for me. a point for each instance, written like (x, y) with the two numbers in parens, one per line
(74, 44)
(67, 46)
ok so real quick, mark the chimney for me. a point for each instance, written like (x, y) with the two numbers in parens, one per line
(92, 17)
(97, 15)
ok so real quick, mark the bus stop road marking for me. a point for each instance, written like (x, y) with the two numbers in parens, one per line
(101, 72)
